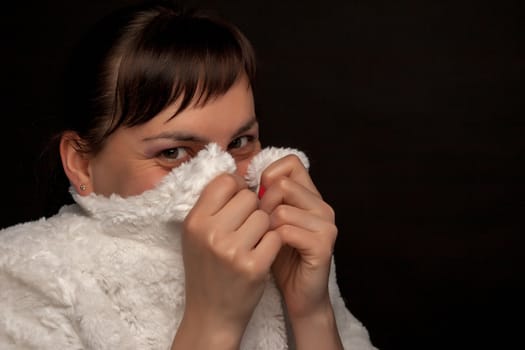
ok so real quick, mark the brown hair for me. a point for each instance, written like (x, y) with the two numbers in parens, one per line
(139, 60)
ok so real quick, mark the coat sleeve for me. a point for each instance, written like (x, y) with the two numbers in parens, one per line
(35, 311)
(353, 333)
(46, 305)
(30, 320)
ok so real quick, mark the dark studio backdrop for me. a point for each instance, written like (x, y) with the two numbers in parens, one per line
(412, 115)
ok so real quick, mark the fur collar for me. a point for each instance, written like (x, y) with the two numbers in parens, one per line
(175, 195)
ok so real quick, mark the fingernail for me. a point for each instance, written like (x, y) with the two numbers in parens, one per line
(261, 191)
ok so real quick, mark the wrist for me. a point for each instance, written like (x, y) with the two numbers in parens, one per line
(207, 333)
(316, 330)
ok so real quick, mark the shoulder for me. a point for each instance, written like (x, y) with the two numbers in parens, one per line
(35, 233)
(41, 245)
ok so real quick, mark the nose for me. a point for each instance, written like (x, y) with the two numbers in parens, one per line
(242, 167)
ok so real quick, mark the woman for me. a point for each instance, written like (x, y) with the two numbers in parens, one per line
(185, 233)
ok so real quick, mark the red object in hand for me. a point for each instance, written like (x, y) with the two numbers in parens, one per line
(261, 191)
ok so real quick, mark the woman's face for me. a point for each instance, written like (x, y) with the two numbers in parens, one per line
(135, 159)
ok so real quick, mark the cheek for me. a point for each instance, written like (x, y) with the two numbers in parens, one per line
(134, 187)
(140, 182)
(242, 167)
(242, 164)
(128, 180)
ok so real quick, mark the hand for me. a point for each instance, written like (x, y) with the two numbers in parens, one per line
(306, 225)
(228, 251)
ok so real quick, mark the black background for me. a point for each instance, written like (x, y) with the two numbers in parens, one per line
(412, 115)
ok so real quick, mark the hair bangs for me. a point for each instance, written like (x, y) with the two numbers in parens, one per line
(186, 59)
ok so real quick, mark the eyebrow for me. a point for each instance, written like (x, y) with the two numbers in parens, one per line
(189, 137)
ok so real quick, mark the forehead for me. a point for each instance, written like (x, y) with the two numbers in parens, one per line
(221, 115)
(239, 94)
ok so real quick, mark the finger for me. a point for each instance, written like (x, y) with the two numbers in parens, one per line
(287, 191)
(304, 231)
(289, 215)
(266, 251)
(317, 249)
(218, 192)
(288, 166)
(253, 230)
(236, 211)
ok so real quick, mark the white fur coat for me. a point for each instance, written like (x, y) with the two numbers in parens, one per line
(107, 273)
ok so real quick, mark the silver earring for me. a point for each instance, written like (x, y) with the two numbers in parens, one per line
(82, 187)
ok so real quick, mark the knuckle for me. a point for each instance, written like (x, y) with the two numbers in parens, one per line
(226, 180)
(286, 230)
(250, 270)
(333, 231)
(228, 254)
(191, 224)
(283, 183)
(328, 235)
(212, 240)
(324, 210)
(330, 213)
(281, 212)
(293, 159)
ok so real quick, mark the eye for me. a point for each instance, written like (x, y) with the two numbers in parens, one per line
(173, 154)
(240, 142)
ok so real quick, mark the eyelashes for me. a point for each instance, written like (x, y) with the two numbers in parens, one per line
(175, 153)
(241, 141)
(171, 156)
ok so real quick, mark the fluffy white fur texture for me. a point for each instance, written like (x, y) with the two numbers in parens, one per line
(107, 272)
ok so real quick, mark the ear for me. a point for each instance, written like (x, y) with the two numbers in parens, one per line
(75, 162)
